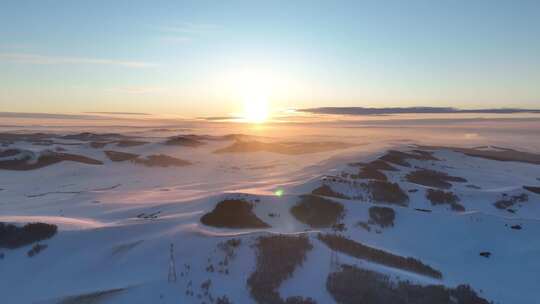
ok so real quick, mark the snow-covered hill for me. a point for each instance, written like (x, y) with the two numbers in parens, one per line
(473, 219)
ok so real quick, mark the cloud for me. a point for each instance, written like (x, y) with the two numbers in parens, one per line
(46, 115)
(52, 60)
(408, 110)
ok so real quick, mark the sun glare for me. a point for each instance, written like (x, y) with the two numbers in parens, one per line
(253, 89)
(255, 109)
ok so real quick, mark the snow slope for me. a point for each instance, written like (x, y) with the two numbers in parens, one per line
(116, 221)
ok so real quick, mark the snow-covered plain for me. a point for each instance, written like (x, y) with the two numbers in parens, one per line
(117, 220)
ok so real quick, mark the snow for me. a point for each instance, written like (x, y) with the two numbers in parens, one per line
(102, 244)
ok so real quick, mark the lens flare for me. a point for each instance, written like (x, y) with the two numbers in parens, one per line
(279, 192)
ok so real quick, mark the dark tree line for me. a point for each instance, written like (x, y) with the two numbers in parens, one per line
(12, 236)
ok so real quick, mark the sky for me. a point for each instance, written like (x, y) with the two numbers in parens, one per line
(210, 58)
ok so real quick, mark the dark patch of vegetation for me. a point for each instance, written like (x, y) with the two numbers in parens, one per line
(12, 236)
(119, 143)
(223, 300)
(277, 257)
(364, 225)
(532, 189)
(382, 216)
(99, 144)
(337, 179)
(9, 152)
(317, 212)
(439, 197)
(44, 160)
(35, 138)
(184, 140)
(521, 198)
(371, 173)
(503, 204)
(233, 213)
(352, 285)
(91, 298)
(485, 254)
(509, 201)
(122, 249)
(229, 250)
(160, 160)
(457, 207)
(87, 136)
(300, 300)
(427, 154)
(433, 178)
(232, 243)
(358, 250)
(376, 164)
(400, 158)
(372, 170)
(205, 288)
(130, 143)
(37, 248)
(339, 227)
(116, 156)
(385, 192)
(153, 215)
(516, 227)
(326, 190)
(381, 165)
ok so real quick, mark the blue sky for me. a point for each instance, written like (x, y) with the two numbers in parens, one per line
(197, 58)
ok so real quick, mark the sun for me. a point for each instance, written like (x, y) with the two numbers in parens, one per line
(255, 109)
(253, 89)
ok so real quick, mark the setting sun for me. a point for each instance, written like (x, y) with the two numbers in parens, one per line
(253, 87)
(255, 109)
